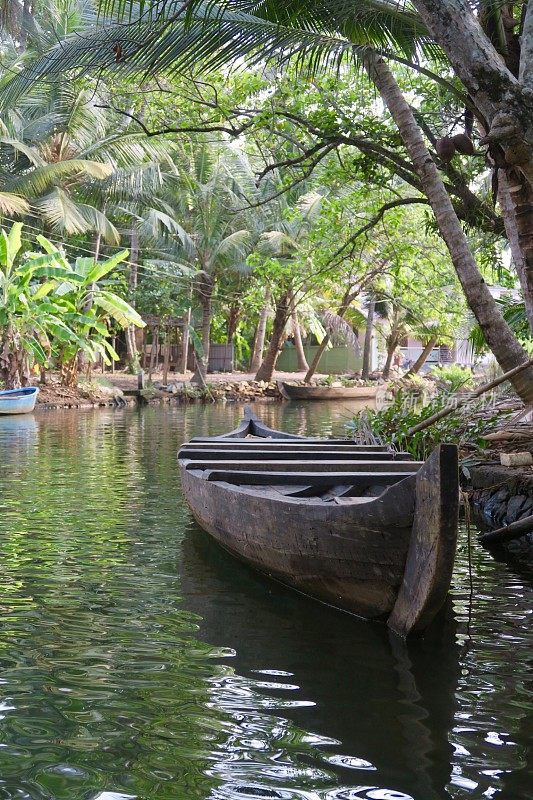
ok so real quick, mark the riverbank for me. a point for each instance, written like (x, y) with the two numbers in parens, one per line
(121, 389)
(87, 394)
(501, 495)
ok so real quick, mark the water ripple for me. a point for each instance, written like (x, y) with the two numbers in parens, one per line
(139, 661)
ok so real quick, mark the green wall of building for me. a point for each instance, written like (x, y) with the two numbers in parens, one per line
(335, 361)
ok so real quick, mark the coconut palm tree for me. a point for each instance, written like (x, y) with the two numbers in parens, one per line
(322, 34)
(60, 155)
(210, 233)
(283, 244)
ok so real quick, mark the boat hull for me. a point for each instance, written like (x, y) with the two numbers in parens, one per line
(292, 392)
(373, 537)
(18, 401)
(351, 556)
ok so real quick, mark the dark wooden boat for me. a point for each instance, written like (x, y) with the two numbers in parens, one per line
(292, 391)
(365, 529)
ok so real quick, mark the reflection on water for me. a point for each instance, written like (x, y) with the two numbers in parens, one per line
(138, 660)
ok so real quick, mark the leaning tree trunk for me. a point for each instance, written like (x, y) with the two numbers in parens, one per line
(505, 101)
(422, 358)
(283, 310)
(497, 333)
(391, 349)
(259, 343)
(301, 360)
(316, 360)
(367, 348)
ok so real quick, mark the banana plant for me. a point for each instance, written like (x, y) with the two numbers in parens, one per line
(29, 319)
(90, 309)
(50, 311)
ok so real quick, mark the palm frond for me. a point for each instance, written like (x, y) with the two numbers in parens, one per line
(236, 244)
(210, 35)
(13, 205)
(340, 330)
(276, 243)
(98, 222)
(42, 178)
(29, 152)
(64, 214)
(61, 213)
(309, 205)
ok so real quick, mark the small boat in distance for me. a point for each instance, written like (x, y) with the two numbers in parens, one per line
(292, 391)
(18, 401)
(362, 528)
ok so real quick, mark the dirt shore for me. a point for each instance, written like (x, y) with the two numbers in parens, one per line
(120, 388)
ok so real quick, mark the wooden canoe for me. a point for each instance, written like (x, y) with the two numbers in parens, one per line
(18, 401)
(293, 392)
(373, 533)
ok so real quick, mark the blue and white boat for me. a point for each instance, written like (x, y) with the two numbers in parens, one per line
(18, 401)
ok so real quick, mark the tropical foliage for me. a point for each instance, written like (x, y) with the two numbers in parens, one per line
(466, 425)
(337, 170)
(53, 311)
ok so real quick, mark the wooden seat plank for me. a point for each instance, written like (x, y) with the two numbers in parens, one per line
(303, 466)
(271, 444)
(290, 455)
(276, 441)
(305, 478)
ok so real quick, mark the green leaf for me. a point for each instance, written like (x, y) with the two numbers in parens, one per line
(118, 309)
(38, 353)
(104, 267)
(44, 289)
(111, 350)
(14, 238)
(57, 272)
(196, 342)
(4, 250)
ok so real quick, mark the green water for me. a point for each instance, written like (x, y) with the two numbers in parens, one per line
(137, 660)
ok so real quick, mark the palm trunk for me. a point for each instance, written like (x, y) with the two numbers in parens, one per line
(422, 358)
(303, 366)
(25, 23)
(516, 202)
(233, 320)
(266, 370)
(80, 361)
(497, 333)
(185, 342)
(132, 354)
(205, 294)
(367, 348)
(206, 328)
(259, 343)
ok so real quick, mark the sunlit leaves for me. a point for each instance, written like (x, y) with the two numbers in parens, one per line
(54, 308)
